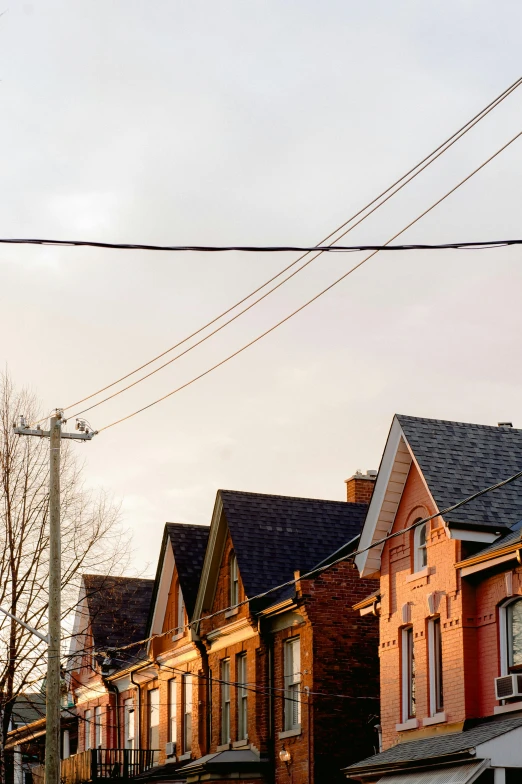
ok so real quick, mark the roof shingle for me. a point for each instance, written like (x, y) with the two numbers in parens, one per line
(189, 544)
(457, 459)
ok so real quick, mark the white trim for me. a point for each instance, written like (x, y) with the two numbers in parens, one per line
(466, 535)
(503, 632)
(411, 724)
(432, 670)
(387, 492)
(162, 596)
(212, 561)
(437, 718)
(420, 552)
(510, 707)
(479, 567)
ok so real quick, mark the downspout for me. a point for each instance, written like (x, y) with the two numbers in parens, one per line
(111, 687)
(268, 640)
(138, 705)
(206, 674)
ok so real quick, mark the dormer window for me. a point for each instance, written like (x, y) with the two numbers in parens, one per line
(420, 553)
(234, 581)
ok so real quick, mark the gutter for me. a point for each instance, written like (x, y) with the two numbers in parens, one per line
(515, 549)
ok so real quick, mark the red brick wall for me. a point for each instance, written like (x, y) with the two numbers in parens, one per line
(458, 643)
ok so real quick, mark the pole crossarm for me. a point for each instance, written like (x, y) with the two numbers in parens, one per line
(27, 431)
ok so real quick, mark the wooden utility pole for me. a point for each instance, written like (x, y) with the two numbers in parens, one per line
(53, 691)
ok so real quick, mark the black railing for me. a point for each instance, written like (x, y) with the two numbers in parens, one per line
(121, 763)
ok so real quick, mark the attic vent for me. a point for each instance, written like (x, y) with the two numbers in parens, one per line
(505, 424)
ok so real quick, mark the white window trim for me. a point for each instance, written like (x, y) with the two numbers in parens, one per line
(173, 716)
(225, 702)
(87, 718)
(432, 668)
(503, 631)
(242, 697)
(98, 728)
(405, 679)
(234, 580)
(180, 622)
(187, 685)
(293, 679)
(418, 549)
(129, 710)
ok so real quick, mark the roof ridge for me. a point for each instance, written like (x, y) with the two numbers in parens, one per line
(117, 577)
(496, 428)
(291, 497)
(190, 525)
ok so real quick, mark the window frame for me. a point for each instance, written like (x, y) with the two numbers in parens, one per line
(409, 707)
(234, 580)
(435, 666)
(98, 728)
(187, 704)
(87, 718)
(506, 647)
(292, 683)
(172, 687)
(224, 672)
(153, 710)
(242, 696)
(128, 712)
(420, 549)
(180, 612)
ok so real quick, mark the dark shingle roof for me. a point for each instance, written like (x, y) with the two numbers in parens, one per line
(28, 708)
(189, 544)
(438, 746)
(514, 536)
(118, 608)
(457, 459)
(273, 535)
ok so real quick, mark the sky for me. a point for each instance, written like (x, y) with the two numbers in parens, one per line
(256, 122)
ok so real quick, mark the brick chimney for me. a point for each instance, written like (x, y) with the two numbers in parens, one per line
(359, 487)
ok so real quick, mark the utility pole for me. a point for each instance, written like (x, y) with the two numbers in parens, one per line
(53, 691)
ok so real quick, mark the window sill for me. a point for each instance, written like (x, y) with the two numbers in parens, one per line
(186, 756)
(177, 636)
(438, 718)
(411, 724)
(289, 733)
(508, 708)
(418, 575)
(241, 744)
(230, 613)
(223, 747)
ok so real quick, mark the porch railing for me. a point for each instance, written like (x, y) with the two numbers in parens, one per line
(99, 764)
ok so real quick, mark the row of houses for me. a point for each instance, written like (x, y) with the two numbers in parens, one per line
(390, 650)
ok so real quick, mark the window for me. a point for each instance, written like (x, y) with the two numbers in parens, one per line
(172, 710)
(292, 676)
(154, 715)
(408, 675)
(511, 636)
(234, 581)
(242, 710)
(97, 728)
(88, 721)
(435, 667)
(181, 613)
(129, 723)
(187, 712)
(420, 552)
(225, 701)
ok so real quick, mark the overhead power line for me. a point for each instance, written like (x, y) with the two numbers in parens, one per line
(375, 204)
(319, 569)
(306, 304)
(266, 248)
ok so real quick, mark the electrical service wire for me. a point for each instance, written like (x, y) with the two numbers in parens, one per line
(270, 248)
(417, 169)
(291, 315)
(319, 569)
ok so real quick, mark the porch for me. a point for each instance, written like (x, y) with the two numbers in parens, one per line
(100, 764)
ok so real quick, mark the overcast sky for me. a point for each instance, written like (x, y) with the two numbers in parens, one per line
(256, 122)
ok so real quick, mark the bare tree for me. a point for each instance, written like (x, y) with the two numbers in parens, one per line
(92, 541)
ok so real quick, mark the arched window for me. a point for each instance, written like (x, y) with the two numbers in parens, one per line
(234, 580)
(420, 553)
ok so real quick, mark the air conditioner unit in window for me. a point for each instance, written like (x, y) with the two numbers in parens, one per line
(508, 686)
(170, 748)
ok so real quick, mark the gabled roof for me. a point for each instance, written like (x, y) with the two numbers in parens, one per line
(456, 459)
(439, 748)
(28, 707)
(274, 535)
(118, 608)
(189, 544)
(183, 546)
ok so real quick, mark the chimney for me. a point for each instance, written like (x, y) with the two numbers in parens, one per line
(359, 487)
(505, 424)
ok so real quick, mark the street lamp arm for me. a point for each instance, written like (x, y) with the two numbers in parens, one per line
(43, 637)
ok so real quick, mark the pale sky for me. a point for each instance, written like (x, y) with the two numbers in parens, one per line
(256, 122)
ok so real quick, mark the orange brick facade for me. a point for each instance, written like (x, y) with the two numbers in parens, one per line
(468, 609)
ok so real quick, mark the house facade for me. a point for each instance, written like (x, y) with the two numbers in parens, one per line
(449, 604)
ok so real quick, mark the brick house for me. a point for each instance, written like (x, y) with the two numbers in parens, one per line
(449, 605)
(293, 675)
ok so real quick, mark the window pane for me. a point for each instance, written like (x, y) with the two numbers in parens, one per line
(225, 701)
(412, 710)
(437, 640)
(292, 678)
(154, 719)
(88, 720)
(129, 724)
(187, 712)
(242, 710)
(515, 633)
(97, 728)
